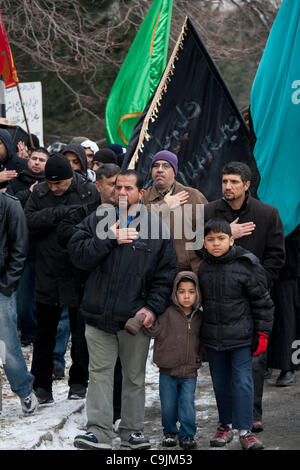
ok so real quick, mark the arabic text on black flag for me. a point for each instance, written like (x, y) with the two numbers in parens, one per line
(193, 115)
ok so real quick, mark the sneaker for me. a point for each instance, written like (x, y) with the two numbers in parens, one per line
(249, 442)
(169, 440)
(44, 397)
(29, 404)
(286, 378)
(136, 440)
(257, 426)
(188, 443)
(90, 441)
(77, 392)
(58, 373)
(223, 435)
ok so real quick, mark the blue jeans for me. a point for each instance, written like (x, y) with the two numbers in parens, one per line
(177, 397)
(20, 380)
(62, 339)
(231, 373)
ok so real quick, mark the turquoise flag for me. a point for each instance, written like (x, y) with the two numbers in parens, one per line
(140, 73)
(275, 112)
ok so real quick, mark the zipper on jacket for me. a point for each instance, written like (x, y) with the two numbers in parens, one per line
(109, 308)
(189, 330)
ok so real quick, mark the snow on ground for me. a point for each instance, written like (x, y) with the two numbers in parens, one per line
(53, 427)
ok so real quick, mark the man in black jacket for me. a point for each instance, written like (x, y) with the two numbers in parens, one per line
(21, 187)
(257, 227)
(57, 283)
(131, 273)
(13, 251)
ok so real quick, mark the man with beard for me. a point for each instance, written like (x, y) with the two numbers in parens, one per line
(257, 227)
(172, 199)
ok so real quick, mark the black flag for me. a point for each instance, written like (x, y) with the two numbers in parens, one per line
(193, 115)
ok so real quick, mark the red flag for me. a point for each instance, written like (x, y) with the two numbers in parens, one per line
(7, 66)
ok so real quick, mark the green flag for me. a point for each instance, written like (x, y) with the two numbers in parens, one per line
(140, 73)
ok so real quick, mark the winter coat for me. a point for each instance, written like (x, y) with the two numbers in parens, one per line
(291, 269)
(12, 162)
(188, 260)
(266, 241)
(286, 296)
(123, 278)
(19, 186)
(79, 151)
(13, 243)
(235, 299)
(177, 339)
(57, 282)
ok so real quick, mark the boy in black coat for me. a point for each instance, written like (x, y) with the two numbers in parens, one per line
(238, 317)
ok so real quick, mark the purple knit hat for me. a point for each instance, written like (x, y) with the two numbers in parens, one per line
(168, 157)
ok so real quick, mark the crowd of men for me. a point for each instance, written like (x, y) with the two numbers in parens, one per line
(54, 256)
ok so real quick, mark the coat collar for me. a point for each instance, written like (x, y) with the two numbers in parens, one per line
(225, 205)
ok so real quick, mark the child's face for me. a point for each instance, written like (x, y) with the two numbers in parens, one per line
(186, 294)
(218, 243)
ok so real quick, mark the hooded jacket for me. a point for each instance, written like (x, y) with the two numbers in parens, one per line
(177, 348)
(79, 151)
(12, 162)
(235, 298)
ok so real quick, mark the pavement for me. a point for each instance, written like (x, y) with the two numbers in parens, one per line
(54, 427)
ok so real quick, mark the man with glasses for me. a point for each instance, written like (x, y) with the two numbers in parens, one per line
(167, 197)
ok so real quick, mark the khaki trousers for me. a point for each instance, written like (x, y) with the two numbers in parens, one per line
(104, 348)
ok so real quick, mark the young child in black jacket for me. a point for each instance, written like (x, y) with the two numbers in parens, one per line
(237, 320)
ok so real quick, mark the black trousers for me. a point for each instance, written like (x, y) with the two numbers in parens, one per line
(259, 364)
(48, 317)
(286, 326)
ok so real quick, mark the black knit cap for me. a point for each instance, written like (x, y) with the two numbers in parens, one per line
(58, 168)
(106, 156)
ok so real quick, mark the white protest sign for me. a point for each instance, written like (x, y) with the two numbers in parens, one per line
(31, 93)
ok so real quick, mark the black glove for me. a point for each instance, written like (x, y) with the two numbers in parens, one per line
(62, 211)
(78, 213)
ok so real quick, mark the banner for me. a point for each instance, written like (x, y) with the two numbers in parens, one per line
(140, 73)
(32, 100)
(193, 115)
(275, 112)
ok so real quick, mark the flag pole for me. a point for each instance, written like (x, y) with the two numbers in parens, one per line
(151, 114)
(25, 117)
